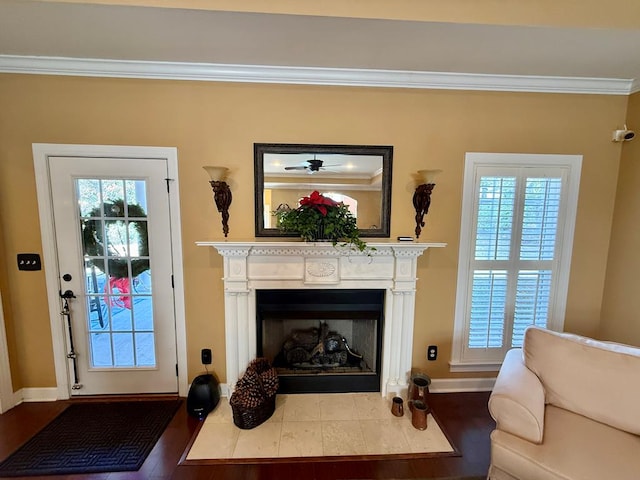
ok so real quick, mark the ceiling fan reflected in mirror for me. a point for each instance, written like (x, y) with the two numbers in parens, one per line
(315, 165)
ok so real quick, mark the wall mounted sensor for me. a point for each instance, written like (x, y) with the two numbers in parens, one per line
(624, 135)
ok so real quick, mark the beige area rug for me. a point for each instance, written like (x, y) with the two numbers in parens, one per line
(317, 425)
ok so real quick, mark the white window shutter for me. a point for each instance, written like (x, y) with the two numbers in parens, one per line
(517, 215)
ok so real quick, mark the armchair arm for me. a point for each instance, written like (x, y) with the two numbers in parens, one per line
(517, 400)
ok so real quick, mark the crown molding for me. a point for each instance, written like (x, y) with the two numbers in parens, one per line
(635, 86)
(312, 75)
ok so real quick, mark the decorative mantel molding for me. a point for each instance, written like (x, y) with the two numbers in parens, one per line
(390, 266)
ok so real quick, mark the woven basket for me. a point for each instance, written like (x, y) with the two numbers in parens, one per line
(258, 372)
(248, 418)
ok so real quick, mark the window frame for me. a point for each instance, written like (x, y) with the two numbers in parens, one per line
(491, 359)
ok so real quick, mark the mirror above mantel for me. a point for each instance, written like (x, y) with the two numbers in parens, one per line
(359, 175)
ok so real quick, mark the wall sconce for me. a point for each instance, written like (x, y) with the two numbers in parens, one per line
(422, 196)
(221, 193)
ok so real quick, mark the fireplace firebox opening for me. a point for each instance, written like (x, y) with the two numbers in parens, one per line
(322, 340)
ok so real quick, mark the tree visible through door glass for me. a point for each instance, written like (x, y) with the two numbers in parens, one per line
(115, 245)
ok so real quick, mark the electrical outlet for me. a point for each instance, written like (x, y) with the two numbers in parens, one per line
(432, 352)
(206, 356)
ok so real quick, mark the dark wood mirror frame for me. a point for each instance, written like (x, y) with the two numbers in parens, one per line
(380, 151)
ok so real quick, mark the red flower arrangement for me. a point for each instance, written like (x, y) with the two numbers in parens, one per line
(319, 202)
(319, 217)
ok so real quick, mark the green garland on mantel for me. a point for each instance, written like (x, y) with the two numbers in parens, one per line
(94, 245)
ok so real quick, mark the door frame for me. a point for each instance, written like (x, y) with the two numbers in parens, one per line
(41, 154)
(7, 398)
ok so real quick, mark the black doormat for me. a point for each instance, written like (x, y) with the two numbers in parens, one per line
(93, 437)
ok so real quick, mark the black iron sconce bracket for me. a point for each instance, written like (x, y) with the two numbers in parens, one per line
(222, 196)
(421, 203)
(221, 193)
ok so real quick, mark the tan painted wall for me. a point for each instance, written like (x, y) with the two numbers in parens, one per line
(216, 123)
(621, 303)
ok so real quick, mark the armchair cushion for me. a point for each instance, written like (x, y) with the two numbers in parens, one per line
(517, 400)
(574, 447)
(595, 379)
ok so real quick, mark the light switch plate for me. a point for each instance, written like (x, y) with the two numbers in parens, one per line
(29, 261)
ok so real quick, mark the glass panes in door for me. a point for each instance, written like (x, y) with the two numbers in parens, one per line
(118, 287)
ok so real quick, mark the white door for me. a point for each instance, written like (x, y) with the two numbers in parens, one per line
(113, 239)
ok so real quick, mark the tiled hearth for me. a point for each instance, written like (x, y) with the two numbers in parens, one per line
(251, 266)
(314, 425)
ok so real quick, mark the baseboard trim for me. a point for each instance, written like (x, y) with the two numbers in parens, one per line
(224, 390)
(438, 385)
(36, 395)
(455, 385)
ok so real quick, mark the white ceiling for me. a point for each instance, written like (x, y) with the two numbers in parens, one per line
(218, 39)
(344, 166)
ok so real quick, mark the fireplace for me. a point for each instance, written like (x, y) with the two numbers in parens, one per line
(252, 267)
(324, 340)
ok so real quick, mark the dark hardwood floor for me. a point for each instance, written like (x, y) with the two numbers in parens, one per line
(464, 417)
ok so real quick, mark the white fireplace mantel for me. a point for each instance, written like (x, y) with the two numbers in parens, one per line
(256, 265)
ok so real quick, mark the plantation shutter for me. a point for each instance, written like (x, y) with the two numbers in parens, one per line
(513, 257)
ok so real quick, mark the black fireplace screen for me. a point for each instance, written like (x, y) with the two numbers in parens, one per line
(322, 340)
